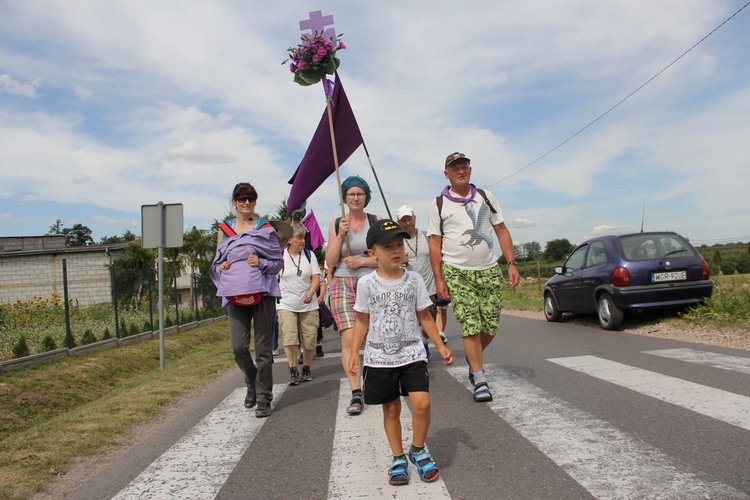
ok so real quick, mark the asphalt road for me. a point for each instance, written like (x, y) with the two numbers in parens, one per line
(578, 412)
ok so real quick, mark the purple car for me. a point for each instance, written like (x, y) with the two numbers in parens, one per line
(611, 274)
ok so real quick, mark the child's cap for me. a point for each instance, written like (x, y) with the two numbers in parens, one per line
(384, 231)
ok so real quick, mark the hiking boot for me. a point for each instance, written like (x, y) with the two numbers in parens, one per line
(319, 351)
(294, 378)
(250, 398)
(263, 410)
(306, 375)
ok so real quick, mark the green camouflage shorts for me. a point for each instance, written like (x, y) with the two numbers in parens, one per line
(477, 298)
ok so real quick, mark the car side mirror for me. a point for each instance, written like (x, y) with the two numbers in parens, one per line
(559, 270)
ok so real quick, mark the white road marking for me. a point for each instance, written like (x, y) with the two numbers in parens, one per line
(722, 405)
(361, 456)
(198, 465)
(606, 461)
(712, 359)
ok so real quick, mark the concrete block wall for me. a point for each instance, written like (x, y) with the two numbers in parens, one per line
(25, 275)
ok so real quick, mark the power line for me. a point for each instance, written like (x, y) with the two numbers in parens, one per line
(623, 99)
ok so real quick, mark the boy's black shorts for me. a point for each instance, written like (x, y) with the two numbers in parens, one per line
(383, 385)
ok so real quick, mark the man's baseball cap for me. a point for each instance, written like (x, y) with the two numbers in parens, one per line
(454, 157)
(384, 231)
(403, 211)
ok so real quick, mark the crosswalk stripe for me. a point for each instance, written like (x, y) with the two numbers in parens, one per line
(715, 403)
(361, 456)
(712, 359)
(604, 460)
(198, 465)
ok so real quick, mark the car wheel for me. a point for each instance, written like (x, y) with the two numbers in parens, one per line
(610, 316)
(551, 312)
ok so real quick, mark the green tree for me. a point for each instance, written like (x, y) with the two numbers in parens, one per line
(126, 237)
(716, 259)
(56, 228)
(76, 236)
(198, 251)
(132, 272)
(532, 250)
(743, 263)
(557, 249)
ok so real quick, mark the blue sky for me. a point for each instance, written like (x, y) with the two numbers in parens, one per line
(107, 106)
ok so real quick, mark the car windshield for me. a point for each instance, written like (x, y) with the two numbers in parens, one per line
(646, 246)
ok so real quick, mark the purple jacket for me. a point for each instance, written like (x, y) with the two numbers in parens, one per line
(242, 278)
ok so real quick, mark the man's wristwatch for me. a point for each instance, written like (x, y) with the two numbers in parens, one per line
(513, 263)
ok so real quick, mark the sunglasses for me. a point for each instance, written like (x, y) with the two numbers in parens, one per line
(244, 199)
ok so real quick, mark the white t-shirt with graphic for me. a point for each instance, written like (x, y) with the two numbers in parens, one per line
(394, 338)
(468, 235)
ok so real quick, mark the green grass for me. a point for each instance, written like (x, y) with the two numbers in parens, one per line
(53, 413)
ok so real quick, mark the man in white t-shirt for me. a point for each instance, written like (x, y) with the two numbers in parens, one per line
(463, 223)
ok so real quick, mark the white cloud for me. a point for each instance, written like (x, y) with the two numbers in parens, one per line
(192, 152)
(124, 224)
(11, 219)
(520, 222)
(82, 92)
(11, 86)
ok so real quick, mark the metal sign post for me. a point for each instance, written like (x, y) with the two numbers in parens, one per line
(162, 227)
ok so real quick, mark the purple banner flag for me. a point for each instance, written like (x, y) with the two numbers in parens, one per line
(317, 164)
(316, 235)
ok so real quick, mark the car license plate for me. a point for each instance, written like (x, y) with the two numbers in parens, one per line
(669, 276)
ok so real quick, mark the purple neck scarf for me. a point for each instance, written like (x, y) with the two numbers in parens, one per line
(447, 193)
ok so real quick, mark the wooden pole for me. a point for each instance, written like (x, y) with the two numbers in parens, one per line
(329, 106)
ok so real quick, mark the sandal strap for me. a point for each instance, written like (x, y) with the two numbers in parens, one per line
(356, 405)
(399, 468)
(398, 464)
(424, 463)
(482, 391)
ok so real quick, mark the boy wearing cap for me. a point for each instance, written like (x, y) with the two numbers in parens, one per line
(463, 223)
(391, 302)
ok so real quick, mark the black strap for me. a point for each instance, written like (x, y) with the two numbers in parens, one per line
(439, 203)
(371, 218)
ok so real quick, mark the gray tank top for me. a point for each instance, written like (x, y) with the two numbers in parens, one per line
(358, 242)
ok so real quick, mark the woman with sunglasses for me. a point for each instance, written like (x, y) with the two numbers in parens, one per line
(248, 257)
(351, 261)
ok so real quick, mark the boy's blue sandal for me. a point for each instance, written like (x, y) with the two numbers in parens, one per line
(482, 393)
(398, 474)
(426, 467)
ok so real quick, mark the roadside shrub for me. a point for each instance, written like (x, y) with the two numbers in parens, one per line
(123, 328)
(713, 268)
(728, 266)
(168, 322)
(106, 335)
(48, 343)
(21, 348)
(147, 326)
(727, 304)
(87, 337)
(133, 329)
(743, 263)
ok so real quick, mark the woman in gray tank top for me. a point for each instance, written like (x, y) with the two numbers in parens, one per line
(346, 251)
